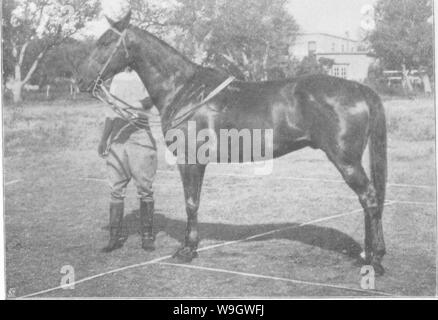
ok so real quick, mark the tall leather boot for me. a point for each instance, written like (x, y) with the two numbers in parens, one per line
(146, 225)
(115, 227)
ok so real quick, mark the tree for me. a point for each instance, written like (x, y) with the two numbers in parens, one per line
(246, 37)
(153, 16)
(33, 28)
(65, 59)
(312, 65)
(254, 35)
(403, 38)
(60, 66)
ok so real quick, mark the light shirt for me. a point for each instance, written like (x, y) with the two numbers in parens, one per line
(127, 86)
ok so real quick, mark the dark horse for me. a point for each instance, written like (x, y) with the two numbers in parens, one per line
(322, 112)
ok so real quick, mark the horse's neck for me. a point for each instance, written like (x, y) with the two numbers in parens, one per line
(163, 71)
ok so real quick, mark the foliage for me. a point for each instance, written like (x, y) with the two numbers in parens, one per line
(312, 65)
(404, 34)
(252, 36)
(63, 60)
(32, 28)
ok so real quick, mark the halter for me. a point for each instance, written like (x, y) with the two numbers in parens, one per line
(111, 100)
(99, 81)
(132, 114)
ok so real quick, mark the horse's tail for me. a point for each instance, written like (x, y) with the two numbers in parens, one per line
(377, 146)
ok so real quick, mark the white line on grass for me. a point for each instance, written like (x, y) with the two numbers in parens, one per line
(426, 203)
(239, 175)
(330, 196)
(156, 184)
(253, 275)
(260, 235)
(415, 202)
(12, 182)
(401, 185)
(138, 265)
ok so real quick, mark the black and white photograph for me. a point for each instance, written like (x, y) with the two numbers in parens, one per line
(218, 149)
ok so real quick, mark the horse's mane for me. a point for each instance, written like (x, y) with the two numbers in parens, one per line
(145, 33)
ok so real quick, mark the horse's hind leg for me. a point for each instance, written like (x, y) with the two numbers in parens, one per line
(192, 176)
(356, 178)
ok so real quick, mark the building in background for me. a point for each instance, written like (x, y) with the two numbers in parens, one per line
(351, 60)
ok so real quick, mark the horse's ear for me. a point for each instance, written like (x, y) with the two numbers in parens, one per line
(110, 21)
(122, 24)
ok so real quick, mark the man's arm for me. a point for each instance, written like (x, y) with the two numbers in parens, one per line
(146, 103)
(105, 135)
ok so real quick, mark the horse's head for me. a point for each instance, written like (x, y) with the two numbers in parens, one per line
(111, 55)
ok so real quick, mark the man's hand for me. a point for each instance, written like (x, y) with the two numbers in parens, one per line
(146, 103)
(105, 135)
(101, 149)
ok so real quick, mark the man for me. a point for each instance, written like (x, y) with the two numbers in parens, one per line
(130, 152)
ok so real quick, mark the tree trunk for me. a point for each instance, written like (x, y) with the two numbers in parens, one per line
(16, 85)
(16, 89)
(426, 83)
(265, 63)
(406, 81)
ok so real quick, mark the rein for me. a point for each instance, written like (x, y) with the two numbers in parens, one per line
(141, 118)
(129, 113)
(98, 82)
(192, 110)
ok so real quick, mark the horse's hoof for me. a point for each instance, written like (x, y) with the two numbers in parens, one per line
(112, 245)
(362, 261)
(147, 244)
(185, 254)
(148, 247)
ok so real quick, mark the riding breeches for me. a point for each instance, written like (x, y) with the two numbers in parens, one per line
(130, 160)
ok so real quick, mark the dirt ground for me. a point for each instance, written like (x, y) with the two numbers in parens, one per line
(297, 232)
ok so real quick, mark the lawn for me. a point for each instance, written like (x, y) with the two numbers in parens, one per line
(56, 203)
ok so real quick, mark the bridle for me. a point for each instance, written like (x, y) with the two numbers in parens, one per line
(99, 81)
(129, 113)
(141, 118)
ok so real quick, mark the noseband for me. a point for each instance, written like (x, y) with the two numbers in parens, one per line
(129, 113)
(122, 41)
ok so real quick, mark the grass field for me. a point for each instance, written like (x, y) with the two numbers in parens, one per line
(56, 203)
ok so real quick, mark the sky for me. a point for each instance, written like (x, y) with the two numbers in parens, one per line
(330, 16)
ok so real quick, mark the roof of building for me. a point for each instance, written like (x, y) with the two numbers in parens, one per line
(346, 53)
(327, 35)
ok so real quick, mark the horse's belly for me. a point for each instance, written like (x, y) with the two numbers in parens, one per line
(247, 145)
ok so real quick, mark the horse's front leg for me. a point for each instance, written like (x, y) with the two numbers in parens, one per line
(192, 176)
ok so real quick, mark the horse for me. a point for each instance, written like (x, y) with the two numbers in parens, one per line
(338, 116)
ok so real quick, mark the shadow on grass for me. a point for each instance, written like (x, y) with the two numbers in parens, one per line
(322, 237)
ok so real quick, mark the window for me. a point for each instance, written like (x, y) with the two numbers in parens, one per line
(339, 71)
(344, 72)
(333, 47)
